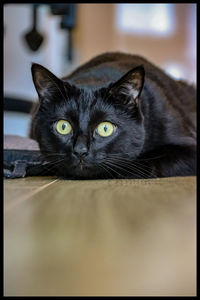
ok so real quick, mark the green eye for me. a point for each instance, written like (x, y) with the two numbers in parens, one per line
(63, 127)
(105, 129)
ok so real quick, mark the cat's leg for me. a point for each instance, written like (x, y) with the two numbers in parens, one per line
(175, 161)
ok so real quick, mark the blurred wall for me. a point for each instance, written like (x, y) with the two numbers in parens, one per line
(97, 32)
(18, 56)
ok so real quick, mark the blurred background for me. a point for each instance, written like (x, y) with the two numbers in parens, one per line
(63, 36)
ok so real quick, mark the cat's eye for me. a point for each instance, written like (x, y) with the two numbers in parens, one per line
(63, 127)
(105, 129)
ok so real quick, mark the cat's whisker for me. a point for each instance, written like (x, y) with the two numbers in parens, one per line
(145, 168)
(151, 158)
(55, 161)
(130, 162)
(109, 167)
(51, 152)
(52, 155)
(118, 167)
(134, 169)
(50, 165)
(124, 168)
(140, 169)
(46, 169)
(49, 169)
(138, 159)
(104, 168)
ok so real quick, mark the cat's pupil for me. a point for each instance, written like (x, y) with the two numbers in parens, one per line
(105, 128)
(63, 126)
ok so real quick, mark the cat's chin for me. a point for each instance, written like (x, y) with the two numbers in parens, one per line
(79, 171)
(83, 171)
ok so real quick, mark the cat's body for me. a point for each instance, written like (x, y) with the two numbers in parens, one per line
(153, 117)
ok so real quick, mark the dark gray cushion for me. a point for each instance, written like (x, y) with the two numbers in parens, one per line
(22, 157)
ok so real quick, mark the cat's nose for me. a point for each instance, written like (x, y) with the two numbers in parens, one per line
(80, 148)
(81, 152)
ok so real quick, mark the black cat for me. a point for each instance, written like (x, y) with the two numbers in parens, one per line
(117, 116)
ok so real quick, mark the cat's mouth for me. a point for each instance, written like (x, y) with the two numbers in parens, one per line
(82, 170)
(81, 165)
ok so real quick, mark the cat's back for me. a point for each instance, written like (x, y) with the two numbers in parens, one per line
(109, 67)
(179, 96)
(106, 68)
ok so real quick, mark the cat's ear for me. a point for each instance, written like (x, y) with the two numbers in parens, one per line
(129, 87)
(46, 82)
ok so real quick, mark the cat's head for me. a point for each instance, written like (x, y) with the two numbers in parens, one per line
(89, 132)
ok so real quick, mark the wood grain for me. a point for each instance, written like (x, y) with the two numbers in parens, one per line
(98, 238)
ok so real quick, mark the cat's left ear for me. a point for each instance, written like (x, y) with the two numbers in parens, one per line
(129, 87)
(46, 82)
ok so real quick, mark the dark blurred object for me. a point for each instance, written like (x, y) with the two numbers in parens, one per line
(67, 13)
(33, 38)
(18, 105)
(22, 157)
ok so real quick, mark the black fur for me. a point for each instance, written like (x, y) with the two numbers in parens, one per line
(154, 117)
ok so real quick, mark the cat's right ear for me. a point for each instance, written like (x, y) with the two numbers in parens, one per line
(46, 82)
(129, 87)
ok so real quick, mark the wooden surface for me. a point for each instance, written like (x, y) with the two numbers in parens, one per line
(106, 237)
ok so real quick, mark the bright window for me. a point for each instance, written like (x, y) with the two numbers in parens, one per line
(145, 19)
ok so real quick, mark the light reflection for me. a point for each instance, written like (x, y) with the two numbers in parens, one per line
(175, 70)
(157, 19)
